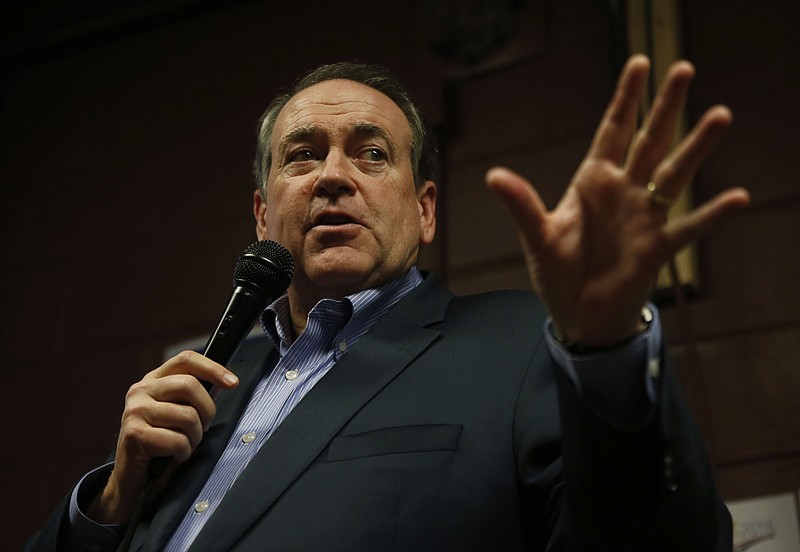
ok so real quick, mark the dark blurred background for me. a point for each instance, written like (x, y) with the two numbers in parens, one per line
(126, 137)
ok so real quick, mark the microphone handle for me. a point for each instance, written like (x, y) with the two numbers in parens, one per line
(245, 305)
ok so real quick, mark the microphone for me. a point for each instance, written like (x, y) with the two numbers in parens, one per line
(261, 275)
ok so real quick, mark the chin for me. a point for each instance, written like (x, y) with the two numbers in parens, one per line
(341, 275)
(341, 278)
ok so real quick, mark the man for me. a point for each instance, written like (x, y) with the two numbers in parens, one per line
(388, 414)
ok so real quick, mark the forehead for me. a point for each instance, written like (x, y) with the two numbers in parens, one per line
(338, 105)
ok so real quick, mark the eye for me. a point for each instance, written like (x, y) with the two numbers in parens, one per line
(301, 155)
(372, 155)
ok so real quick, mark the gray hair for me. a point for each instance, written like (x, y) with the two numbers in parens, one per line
(374, 76)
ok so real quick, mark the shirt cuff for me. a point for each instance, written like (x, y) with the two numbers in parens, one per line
(620, 383)
(85, 534)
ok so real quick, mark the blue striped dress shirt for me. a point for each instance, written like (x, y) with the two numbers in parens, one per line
(333, 327)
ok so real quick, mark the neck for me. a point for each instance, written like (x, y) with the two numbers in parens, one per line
(303, 297)
(300, 304)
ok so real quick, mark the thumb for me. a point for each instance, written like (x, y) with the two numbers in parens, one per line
(520, 198)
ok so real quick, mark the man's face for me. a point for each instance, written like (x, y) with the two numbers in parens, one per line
(340, 194)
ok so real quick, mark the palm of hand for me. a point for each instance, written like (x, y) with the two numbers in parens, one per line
(594, 258)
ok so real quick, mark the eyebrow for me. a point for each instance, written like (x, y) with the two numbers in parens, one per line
(369, 129)
(299, 134)
(362, 129)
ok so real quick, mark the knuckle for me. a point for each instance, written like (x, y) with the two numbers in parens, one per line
(187, 417)
(185, 357)
(135, 411)
(666, 172)
(136, 401)
(190, 386)
(135, 433)
(136, 389)
(182, 383)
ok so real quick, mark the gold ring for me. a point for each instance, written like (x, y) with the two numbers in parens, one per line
(658, 198)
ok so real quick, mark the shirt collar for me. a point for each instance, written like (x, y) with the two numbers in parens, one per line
(365, 306)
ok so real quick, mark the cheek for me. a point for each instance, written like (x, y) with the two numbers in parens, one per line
(410, 213)
(272, 222)
(284, 224)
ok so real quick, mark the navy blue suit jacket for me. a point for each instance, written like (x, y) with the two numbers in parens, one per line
(448, 427)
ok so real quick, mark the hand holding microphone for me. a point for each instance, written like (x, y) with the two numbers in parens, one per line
(167, 412)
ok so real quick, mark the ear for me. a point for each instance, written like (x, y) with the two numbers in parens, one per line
(260, 212)
(426, 196)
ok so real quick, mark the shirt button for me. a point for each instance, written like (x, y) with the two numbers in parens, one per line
(201, 506)
(248, 438)
(654, 368)
(342, 346)
(291, 375)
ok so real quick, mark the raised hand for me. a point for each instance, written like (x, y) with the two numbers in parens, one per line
(594, 258)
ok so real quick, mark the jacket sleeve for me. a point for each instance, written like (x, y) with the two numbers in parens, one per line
(642, 486)
(69, 528)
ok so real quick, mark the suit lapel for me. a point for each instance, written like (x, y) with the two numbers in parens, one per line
(251, 361)
(379, 356)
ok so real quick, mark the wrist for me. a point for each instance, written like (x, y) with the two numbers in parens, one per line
(110, 505)
(575, 347)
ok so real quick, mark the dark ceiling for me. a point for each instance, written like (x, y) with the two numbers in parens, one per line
(35, 29)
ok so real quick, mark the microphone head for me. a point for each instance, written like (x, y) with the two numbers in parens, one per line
(266, 264)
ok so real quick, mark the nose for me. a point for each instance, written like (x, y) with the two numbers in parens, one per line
(335, 177)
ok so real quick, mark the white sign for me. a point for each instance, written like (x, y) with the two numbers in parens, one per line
(766, 524)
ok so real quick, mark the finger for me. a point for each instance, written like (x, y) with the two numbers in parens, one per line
(521, 199)
(177, 418)
(178, 447)
(655, 138)
(178, 389)
(199, 366)
(614, 133)
(678, 170)
(143, 442)
(687, 229)
(174, 409)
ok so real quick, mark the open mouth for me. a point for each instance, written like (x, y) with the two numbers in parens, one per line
(335, 228)
(333, 220)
